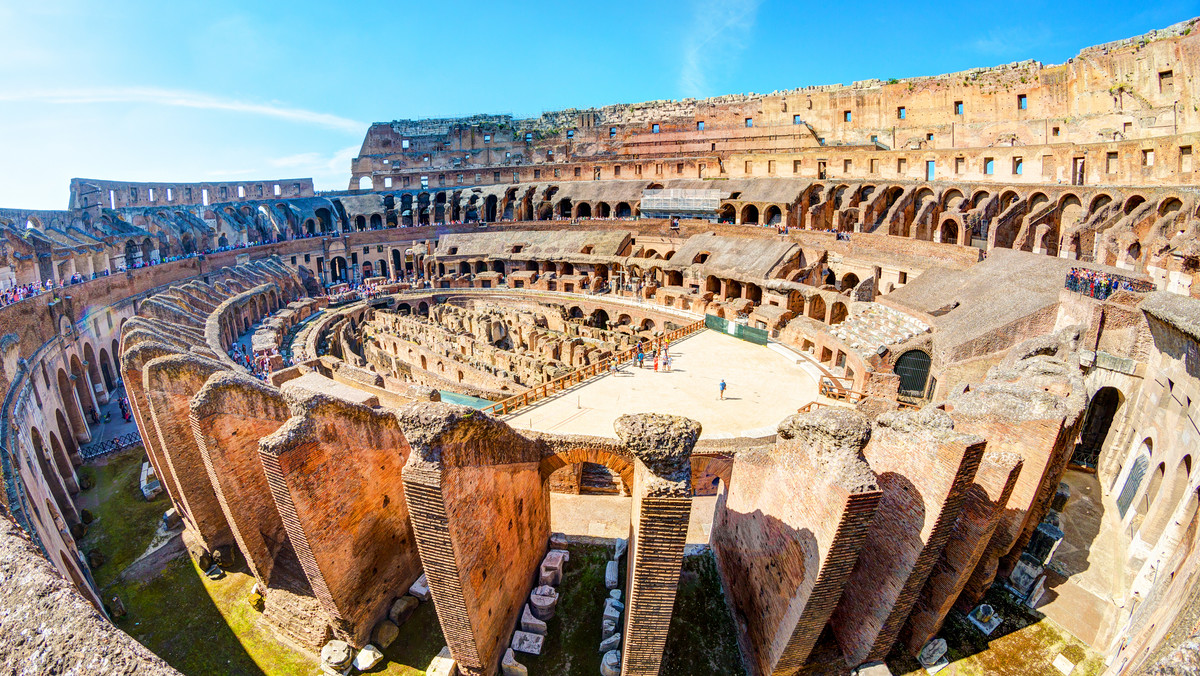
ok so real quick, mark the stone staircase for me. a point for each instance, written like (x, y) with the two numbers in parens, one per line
(875, 326)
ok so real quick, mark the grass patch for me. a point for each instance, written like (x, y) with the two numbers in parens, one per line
(1025, 644)
(702, 638)
(125, 523)
(572, 645)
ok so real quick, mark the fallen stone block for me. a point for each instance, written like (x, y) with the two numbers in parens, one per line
(558, 541)
(542, 603)
(610, 664)
(551, 569)
(611, 611)
(525, 642)
(530, 623)
(443, 664)
(337, 655)
(384, 633)
(610, 575)
(622, 546)
(611, 643)
(367, 658)
(607, 628)
(566, 555)
(615, 594)
(420, 588)
(509, 666)
(403, 608)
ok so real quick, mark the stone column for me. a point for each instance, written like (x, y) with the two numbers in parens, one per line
(661, 446)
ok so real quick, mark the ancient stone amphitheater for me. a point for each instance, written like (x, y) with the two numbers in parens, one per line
(986, 278)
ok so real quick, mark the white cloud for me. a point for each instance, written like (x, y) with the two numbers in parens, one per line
(719, 30)
(184, 99)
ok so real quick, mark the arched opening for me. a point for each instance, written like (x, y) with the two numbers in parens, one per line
(712, 284)
(913, 369)
(67, 392)
(773, 215)
(816, 308)
(1149, 496)
(1133, 481)
(1168, 500)
(726, 214)
(603, 210)
(584, 210)
(838, 313)
(376, 222)
(364, 183)
(623, 210)
(949, 232)
(749, 215)
(587, 471)
(1096, 426)
(489, 209)
(599, 319)
(53, 479)
(106, 370)
(849, 281)
(360, 222)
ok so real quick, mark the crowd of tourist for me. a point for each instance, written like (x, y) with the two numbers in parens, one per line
(1101, 285)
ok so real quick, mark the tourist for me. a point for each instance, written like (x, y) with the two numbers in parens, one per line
(721, 388)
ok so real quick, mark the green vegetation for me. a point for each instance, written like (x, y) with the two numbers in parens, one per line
(572, 645)
(1025, 644)
(125, 523)
(702, 638)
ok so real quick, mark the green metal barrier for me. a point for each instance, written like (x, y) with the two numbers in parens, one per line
(747, 333)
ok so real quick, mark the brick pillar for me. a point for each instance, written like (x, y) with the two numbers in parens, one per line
(981, 513)
(925, 468)
(170, 382)
(350, 525)
(480, 510)
(133, 360)
(661, 446)
(228, 417)
(788, 530)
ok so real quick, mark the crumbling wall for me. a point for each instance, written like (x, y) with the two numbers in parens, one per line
(788, 529)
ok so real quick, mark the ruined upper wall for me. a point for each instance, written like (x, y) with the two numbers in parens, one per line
(90, 193)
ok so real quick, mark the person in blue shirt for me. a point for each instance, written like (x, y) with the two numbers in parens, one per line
(722, 388)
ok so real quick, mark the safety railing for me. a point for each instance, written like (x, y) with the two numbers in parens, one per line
(547, 389)
(110, 445)
(831, 391)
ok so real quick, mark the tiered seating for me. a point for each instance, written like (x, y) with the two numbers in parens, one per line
(875, 326)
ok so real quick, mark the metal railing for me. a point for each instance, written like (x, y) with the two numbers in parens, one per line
(1101, 285)
(579, 375)
(111, 445)
(831, 391)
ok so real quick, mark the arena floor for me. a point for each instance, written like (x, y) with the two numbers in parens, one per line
(763, 388)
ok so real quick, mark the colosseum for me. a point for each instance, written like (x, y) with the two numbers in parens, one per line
(888, 378)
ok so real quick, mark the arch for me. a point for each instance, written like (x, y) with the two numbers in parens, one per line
(54, 480)
(1133, 480)
(749, 215)
(849, 281)
(838, 313)
(107, 370)
(773, 215)
(1096, 426)
(948, 233)
(816, 307)
(603, 210)
(598, 318)
(1131, 203)
(1160, 512)
(584, 210)
(952, 198)
(1151, 494)
(365, 183)
(599, 456)
(712, 284)
(1168, 205)
(93, 365)
(647, 324)
(913, 369)
(360, 222)
(69, 396)
(623, 210)
(726, 214)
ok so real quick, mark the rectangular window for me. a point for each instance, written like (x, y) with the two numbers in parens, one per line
(133, 192)
(1110, 163)
(612, 132)
(276, 189)
(224, 192)
(637, 170)
(749, 167)
(846, 116)
(528, 136)
(170, 195)
(1148, 158)
(487, 138)
(749, 121)
(578, 172)
(1047, 166)
(901, 165)
(847, 165)
(1018, 166)
(537, 173)
(679, 168)
(960, 163)
(387, 181)
(958, 108)
(658, 169)
(1166, 82)
(557, 173)
(796, 120)
(1054, 131)
(930, 170)
(260, 190)
(900, 113)
(404, 144)
(654, 128)
(989, 165)
(874, 166)
(795, 166)
(616, 171)
(461, 179)
(570, 133)
(307, 257)
(770, 166)
(1022, 102)
(1127, 129)
(496, 176)
(595, 173)
(929, 137)
(1185, 159)
(700, 125)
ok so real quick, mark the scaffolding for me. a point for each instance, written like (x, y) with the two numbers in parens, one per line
(667, 203)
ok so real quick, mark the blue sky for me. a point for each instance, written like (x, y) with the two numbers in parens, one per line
(181, 91)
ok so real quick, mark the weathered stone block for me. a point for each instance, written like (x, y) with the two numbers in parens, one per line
(610, 575)
(403, 608)
(420, 588)
(384, 633)
(525, 642)
(530, 623)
